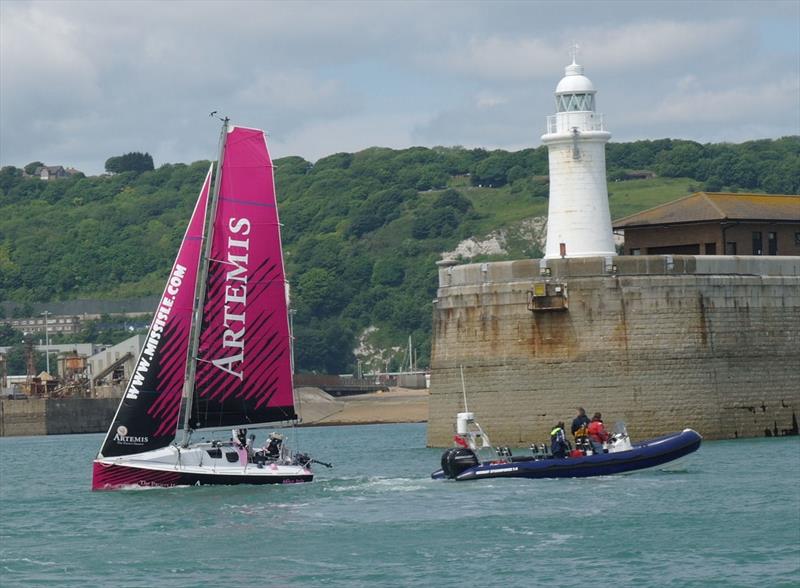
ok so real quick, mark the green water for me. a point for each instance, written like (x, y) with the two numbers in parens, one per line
(730, 516)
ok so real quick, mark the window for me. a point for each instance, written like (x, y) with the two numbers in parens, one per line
(574, 102)
(730, 248)
(711, 248)
(693, 249)
(636, 251)
(772, 243)
(757, 245)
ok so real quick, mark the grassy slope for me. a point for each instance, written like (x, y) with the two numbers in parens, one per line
(630, 196)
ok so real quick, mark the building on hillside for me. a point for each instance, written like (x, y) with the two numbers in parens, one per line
(716, 224)
(55, 172)
(55, 324)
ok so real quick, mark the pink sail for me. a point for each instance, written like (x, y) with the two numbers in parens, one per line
(147, 416)
(244, 357)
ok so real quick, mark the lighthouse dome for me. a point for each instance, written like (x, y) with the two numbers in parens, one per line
(574, 81)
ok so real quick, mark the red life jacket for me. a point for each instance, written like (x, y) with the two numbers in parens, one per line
(597, 432)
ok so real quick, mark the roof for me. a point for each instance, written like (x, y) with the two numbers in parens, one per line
(717, 207)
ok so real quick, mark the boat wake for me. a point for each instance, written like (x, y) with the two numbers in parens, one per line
(374, 484)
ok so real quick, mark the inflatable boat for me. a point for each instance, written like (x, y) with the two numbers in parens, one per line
(618, 456)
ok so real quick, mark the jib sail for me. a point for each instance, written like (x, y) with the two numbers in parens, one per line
(147, 416)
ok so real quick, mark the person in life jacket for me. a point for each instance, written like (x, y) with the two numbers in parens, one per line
(559, 446)
(579, 422)
(597, 433)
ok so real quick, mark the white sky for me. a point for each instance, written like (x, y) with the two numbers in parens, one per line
(83, 81)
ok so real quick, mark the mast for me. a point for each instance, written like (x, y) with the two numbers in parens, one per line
(200, 290)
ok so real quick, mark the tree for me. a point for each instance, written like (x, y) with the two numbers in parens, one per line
(713, 184)
(388, 272)
(16, 363)
(452, 199)
(31, 168)
(324, 346)
(379, 209)
(134, 161)
(9, 175)
(492, 171)
(320, 293)
(435, 222)
(9, 335)
(681, 161)
(515, 173)
(335, 161)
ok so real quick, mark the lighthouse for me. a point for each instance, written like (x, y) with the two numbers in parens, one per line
(578, 218)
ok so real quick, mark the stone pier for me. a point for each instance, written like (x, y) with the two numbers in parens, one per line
(659, 342)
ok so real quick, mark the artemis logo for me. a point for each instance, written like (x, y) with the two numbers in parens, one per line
(122, 437)
(235, 298)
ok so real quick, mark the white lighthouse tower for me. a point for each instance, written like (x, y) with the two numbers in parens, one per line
(578, 219)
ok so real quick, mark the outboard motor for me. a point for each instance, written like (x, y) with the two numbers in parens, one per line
(458, 459)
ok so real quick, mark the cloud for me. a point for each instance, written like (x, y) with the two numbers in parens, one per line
(633, 45)
(512, 121)
(83, 81)
(297, 93)
(692, 102)
(319, 138)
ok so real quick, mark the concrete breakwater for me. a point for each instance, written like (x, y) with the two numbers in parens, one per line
(660, 342)
(50, 416)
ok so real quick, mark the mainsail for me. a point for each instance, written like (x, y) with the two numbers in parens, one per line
(147, 416)
(243, 371)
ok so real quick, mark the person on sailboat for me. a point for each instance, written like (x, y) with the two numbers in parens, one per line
(274, 443)
(239, 437)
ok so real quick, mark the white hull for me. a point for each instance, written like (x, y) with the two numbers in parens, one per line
(198, 465)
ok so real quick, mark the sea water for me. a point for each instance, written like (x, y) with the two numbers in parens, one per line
(728, 516)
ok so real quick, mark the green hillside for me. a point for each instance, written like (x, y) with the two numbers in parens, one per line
(362, 231)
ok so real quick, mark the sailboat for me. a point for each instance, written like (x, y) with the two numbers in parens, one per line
(219, 351)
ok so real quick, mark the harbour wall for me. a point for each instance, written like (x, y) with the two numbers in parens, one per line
(39, 416)
(659, 342)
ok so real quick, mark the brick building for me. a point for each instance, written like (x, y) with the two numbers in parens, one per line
(716, 224)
